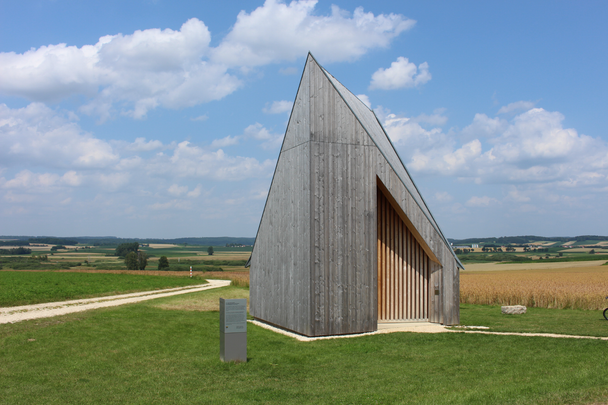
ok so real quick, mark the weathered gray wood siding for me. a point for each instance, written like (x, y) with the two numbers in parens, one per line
(314, 264)
(280, 262)
(343, 219)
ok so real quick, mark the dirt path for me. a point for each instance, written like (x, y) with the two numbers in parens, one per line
(46, 310)
(551, 335)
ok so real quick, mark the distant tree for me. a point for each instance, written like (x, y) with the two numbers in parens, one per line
(131, 261)
(560, 254)
(592, 252)
(210, 250)
(163, 263)
(142, 260)
(458, 251)
(124, 248)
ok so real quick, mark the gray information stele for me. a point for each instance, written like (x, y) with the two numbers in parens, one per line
(233, 330)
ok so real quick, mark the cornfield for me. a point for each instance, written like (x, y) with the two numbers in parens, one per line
(575, 288)
(239, 279)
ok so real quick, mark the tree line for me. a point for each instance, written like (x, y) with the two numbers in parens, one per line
(134, 258)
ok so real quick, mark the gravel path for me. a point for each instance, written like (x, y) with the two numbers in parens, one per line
(416, 327)
(46, 310)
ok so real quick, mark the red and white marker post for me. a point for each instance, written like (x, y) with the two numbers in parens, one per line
(190, 271)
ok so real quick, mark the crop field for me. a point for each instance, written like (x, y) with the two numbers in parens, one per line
(548, 286)
(102, 258)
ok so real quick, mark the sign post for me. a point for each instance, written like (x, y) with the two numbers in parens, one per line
(233, 330)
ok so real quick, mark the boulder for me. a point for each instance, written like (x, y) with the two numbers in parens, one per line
(513, 309)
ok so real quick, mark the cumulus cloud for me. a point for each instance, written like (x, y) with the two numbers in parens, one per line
(533, 147)
(146, 69)
(37, 135)
(484, 201)
(517, 106)
(278, 107)
(201, 118)
(223, 142)
(365, 100)
(484, 126)
(171, 205)
(196, 192)
(258, 132)
(283, 32)
(140, 145)
(131, 74)
(443, 196)
(289, 71)
(177, 190)
(190, 161)
(401, 74)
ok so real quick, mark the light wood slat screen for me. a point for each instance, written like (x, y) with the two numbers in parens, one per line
(403, 269)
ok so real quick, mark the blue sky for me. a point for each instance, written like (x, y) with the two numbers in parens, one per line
(164, 119)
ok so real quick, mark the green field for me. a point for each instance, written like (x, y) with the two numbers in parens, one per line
(551, 256)
(24, 287)
(536, 320)
(167, 351)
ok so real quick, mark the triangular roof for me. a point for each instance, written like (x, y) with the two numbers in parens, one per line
(374, 129)
(377, 133)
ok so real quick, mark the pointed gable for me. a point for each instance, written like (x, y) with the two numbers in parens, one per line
(314, 266)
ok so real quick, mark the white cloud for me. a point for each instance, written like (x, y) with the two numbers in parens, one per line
(226, 141)
(533, 147)
(196, 192)
(258, 132)
(146, 69)
(516, 195)
(189, 161)
(37, 135)
(484, 126)
(140, 145)
(443, 196)
(283, 32)
(113, 181)
(25, 179)
(201, 118)
(517, 106)
(278, 107)
(177, 190)
(173, 204)
(484, 201)
(365, 100)
(289, 71)
(132, 74)
(436, 119)
(401, 74)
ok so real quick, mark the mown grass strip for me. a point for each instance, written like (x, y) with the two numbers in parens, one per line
(141, 354)
(24, 287)
(536, 320)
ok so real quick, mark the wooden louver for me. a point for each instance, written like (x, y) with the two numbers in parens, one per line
(403, 269)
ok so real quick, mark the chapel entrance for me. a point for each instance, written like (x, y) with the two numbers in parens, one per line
(403, 268)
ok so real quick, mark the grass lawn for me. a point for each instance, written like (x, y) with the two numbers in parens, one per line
(167, 351)
(24, 287)
(536, 320)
